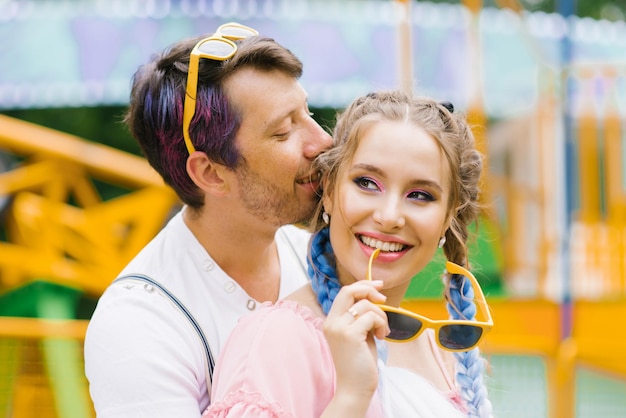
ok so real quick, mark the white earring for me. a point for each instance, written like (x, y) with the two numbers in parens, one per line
(326, 217)
(442, 241)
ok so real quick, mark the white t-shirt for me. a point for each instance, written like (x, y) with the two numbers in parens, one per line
(142, 356)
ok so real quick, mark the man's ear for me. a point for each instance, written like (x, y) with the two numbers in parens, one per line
(207, 174)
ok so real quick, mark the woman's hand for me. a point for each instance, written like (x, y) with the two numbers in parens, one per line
(348, 328)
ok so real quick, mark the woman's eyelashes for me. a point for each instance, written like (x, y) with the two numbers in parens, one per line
(369, 184)
(422, 195)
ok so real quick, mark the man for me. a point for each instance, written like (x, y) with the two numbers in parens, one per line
(236, 145)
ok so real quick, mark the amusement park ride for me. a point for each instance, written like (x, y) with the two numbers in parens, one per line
(63, 242)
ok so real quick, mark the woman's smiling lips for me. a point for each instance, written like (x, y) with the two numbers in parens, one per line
(390, 249)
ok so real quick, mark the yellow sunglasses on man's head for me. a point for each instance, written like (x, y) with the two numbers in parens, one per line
(451, 334)
(218, 47)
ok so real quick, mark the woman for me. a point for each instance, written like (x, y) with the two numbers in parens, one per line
(400, 181)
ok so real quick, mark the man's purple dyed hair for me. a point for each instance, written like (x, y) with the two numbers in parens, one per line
(155, 113)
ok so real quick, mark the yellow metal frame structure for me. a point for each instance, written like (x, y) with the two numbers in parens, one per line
(63, 241)
(58, 226)
(532, 327)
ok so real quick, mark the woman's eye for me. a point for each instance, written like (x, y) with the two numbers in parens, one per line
(420, 195)
(366, 183)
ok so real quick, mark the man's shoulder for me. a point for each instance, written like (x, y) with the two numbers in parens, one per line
(129, 302)
(135, 341)
(297, 235)
(132, 319)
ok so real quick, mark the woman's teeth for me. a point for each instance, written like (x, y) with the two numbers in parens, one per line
(383, 246)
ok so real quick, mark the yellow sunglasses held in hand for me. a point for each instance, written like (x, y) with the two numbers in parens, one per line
(218, 47)
(451, 334)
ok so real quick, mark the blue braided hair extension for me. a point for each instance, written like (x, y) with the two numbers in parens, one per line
(321, 269)
(470, 365)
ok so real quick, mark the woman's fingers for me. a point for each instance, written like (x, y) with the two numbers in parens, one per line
(356, 304)
(348, 329)
(370, 318)
(356, 291)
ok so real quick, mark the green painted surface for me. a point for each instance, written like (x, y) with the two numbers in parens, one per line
(486, 260)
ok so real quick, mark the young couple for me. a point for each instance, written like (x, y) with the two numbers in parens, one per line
(226, 123)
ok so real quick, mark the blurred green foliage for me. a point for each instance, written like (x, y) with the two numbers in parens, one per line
(102, 124)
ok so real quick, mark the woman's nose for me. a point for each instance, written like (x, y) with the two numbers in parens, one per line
(389, 215)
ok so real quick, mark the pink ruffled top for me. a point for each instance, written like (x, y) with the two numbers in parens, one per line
(276, 363)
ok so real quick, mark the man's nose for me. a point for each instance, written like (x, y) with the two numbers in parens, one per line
(317, 140)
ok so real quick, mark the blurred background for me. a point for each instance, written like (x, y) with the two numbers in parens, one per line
(543, 82)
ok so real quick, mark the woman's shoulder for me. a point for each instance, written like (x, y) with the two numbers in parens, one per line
(273, 337)
(285, 311)
(306, 297)
(283, 320)
(278, 343)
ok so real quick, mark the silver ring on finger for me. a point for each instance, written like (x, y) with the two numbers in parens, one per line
(353, 312)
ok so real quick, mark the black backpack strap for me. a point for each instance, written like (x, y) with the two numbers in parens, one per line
(210, 363)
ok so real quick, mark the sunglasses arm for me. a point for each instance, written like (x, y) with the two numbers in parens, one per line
(190, 100)
(481, 301)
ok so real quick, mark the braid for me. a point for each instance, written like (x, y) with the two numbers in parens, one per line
(466, 166)
(321, 269)
(470, 365)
